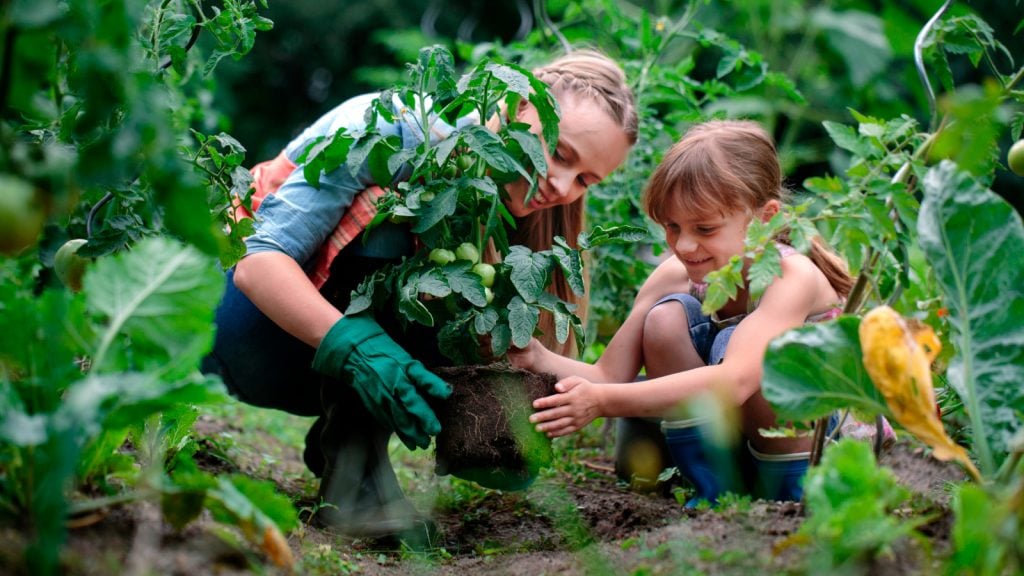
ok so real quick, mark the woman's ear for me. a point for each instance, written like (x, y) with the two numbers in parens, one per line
(770, 209)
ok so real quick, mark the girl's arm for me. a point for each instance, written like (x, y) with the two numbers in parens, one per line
(786, 304)
(623, 357)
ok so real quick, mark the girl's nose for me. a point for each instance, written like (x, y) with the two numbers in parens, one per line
(685, 244)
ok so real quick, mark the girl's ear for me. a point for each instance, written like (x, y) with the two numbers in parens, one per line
(770, 209)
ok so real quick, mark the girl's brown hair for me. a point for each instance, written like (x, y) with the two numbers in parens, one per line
(724, 165)
(592, 75)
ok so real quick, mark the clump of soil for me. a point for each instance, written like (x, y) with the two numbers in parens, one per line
(486, 435)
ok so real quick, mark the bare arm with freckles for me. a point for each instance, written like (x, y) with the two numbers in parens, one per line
(623, 358)
(786, 304)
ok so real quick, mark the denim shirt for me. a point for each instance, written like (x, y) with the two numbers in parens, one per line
(298, 218)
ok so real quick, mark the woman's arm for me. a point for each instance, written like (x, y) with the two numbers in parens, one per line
(786, 304)
(278, 286)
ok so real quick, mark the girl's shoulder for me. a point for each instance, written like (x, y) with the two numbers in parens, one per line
(668, 278)
(803, 281)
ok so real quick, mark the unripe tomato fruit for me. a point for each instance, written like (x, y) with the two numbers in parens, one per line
(69, 266)
(441, 256)
(486, 273)
(467, 251)
(464, 162)
(21, 218)
(1015, 158)
(488, 294)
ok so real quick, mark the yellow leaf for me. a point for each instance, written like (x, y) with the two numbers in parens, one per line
(897, 357)
(276, 547)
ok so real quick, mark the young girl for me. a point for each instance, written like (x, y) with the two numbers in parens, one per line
(710, 186)
(282, 341)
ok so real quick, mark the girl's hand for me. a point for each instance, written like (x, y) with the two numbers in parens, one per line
(576, 404)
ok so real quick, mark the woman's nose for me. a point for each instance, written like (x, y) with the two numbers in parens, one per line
(560, 185)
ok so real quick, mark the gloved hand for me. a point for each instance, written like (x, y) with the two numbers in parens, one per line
(389, 381)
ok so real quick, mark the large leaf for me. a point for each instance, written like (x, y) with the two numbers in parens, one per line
(156, 306)
(974, 241)
(813, 370)
(859, 39)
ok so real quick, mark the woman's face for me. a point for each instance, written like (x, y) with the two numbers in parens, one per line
(590, 145)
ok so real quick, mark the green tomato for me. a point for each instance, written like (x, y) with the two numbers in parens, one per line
(488, 294)
(464, 162)
(1015, 158)
(450, 172)
(441, 256)
(486, 273)
(69, 266)
(21, 217)
(467, 251)
(426, 197)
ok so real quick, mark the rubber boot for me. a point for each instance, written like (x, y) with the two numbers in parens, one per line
(640, 453)
(780, 476)
(359, 488)
(712, 470)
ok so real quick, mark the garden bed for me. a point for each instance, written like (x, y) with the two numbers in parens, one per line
(576, 519)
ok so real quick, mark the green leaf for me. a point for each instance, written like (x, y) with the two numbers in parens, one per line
(522, 320)
(531, 145)
(529, 272)
(442, 206)
(22, 429)
(485, 321)
(409, 304)
(616, 234)
(977, 548)
(860, 40)
(813, 370)
(160, 298)
(463, 281)
(433, 283)
(851, 500)
(847, 139)
(765, 267)
(501, 339)
(572, 264)
(974, 241)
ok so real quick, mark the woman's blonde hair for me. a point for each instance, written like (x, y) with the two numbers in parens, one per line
(722, 166)
(592, 75)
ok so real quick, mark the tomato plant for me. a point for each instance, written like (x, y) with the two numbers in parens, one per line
(460, 215)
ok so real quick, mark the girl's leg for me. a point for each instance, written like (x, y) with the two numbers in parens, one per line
(669, 348)
(640, 449)
(781, 463)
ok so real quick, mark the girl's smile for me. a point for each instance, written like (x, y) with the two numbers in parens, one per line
(706, 243)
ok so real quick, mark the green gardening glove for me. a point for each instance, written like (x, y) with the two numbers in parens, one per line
(389, 381)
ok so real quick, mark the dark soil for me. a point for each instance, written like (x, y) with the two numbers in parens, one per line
(486, 435)
(578, 520)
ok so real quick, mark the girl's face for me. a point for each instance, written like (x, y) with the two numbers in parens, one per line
(590, 146)
(705, 244)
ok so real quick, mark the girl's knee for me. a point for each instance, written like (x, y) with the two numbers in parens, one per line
(664, 322)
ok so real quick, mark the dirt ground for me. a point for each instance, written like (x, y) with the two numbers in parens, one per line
(576, 520)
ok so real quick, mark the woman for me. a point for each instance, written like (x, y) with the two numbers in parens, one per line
(281, 313)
